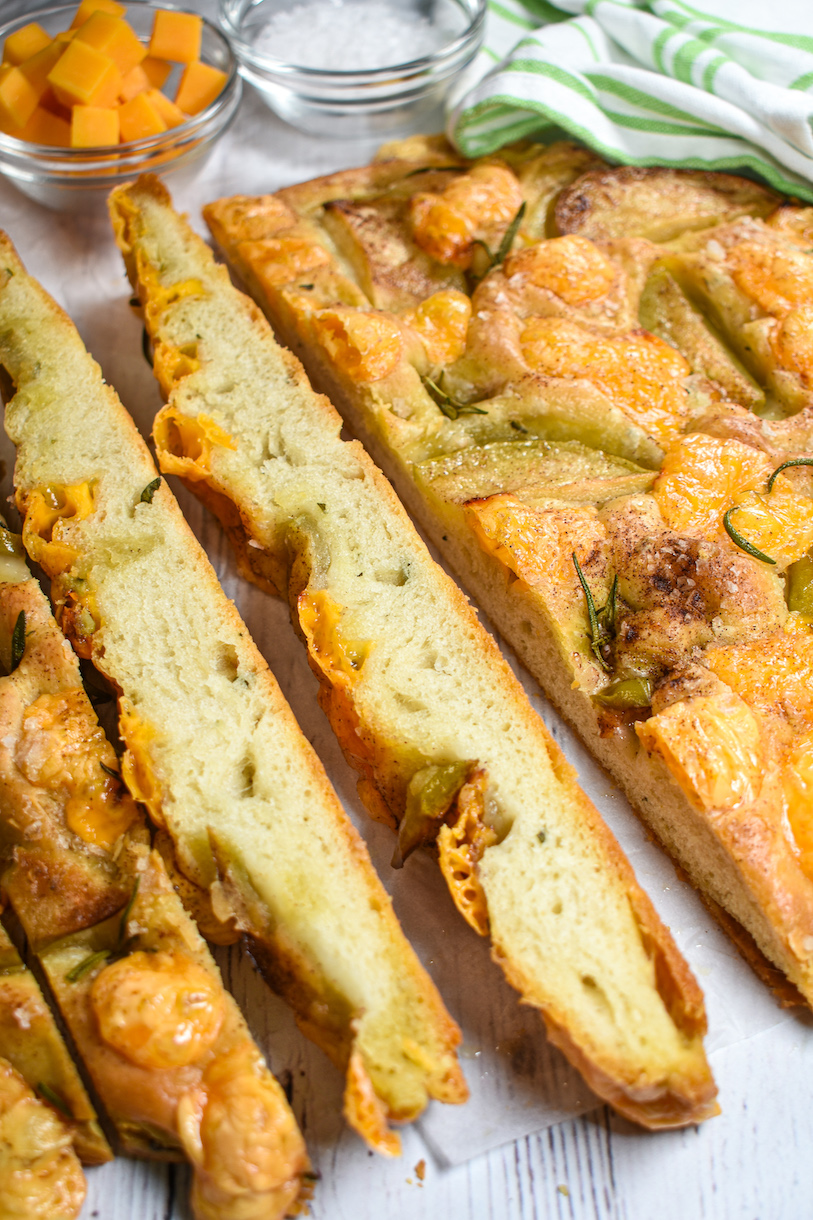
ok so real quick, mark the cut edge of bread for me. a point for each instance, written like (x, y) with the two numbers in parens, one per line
(361, 1019)
(676, 1101)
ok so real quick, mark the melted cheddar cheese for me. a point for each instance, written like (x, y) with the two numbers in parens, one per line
(640, 373)
(159, 1010)
(48, 513)
(469, 209)
(366, 346)
(185, 443)
(571, 267)
(442, 322)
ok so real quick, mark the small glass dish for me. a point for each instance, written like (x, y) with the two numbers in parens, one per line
(73, 179)
(385, 101)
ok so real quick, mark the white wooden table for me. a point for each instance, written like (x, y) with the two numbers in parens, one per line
(755, 1162)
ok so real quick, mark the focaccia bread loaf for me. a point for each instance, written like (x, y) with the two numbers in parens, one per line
(166, 1047)
(212, 748)
(582, 391)
(424, 706)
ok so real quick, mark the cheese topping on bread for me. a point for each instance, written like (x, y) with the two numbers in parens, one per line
(658, 317)
(421, 700)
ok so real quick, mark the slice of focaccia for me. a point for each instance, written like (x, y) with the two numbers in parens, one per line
(167, 1049)
(31, 1043)
(40, 1174)
(604, 490)
(212, 748)
(420, 698)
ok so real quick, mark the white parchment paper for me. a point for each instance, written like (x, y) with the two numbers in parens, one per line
(519, 1083)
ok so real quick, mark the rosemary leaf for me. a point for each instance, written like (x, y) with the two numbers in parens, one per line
(150, 490)
(598, 635)
(508, 237)
(785, 466)
(145, 346)
(87, 964)
(48, 1094)
(126, 912)
(606, 615)
(109, 771)
(743, 543)
(450, 408)
(18, 641)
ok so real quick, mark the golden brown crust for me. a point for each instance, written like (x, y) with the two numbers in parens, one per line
(661, 204)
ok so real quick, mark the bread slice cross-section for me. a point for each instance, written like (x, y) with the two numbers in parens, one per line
(212, 748)
(423, 704)
(165, 1046)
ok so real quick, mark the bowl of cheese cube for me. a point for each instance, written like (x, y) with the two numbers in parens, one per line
(96, 94)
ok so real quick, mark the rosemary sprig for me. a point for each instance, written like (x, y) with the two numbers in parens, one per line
(18, 641)
(602, 622)
(606, 615)
(149, 491)
(496, 260)
(785, 466)
(126, 913)
(743, 543)
(87, 963)
(48, 1094)
(109, 771)
(508, 237)
(450, 408)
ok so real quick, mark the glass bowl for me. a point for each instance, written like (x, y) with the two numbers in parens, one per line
(73, 179)
(381, 101)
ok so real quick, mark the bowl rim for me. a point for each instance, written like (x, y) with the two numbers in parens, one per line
(103, 154)
(413, 67)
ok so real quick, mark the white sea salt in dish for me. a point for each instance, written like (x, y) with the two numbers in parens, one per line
(350, 35)
(351, 68)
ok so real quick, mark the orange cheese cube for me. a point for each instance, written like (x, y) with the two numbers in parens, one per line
(24, 43)
(18, 98)
(135, 81)
(157, 70)
(88, 7)
(199, 86)
(83, 76)
(140, 119)
(176, 36)
(37, 67)
(65, 36)
(113, 37)
(169, 112)
(94, 126)
(46, 128)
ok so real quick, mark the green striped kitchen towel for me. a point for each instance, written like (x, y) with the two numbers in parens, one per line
(652, 82)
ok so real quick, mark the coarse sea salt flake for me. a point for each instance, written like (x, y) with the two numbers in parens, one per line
(351, 35)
